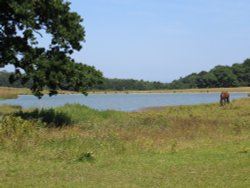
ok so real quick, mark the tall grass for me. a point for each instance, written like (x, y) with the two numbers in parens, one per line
(10, 93)
(7, 109)
(185, 146)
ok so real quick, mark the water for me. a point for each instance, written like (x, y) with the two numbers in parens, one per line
(122, 102)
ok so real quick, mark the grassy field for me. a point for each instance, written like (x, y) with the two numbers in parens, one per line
(74, 146)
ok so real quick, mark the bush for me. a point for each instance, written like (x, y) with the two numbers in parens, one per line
(86, 156)
(15, 132)
(50, 117)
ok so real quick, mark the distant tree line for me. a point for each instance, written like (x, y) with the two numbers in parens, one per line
(108, 84)
(130, 84)
(5, 81)
(220, 76)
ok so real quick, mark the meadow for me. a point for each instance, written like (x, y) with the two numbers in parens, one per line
(75, 146)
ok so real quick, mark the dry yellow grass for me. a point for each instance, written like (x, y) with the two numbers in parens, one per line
(9, 92)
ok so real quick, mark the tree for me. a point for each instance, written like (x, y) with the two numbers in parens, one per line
(4, 81)
(225, 76)
(246, 75)
(206, 79)
(191, 80)
(22, 24)
(242, 74)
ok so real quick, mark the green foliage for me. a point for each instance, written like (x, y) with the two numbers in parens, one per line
(130, 84)
(4, 81)
(225, 76)
(22, 23)
(86, 156)
(14, 126)
(15, 132)
(107, 84)
(204, 79)
(89, 118)
(49, 117)
(69, 115)
(220, 76)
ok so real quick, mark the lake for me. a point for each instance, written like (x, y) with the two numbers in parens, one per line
(122, 102)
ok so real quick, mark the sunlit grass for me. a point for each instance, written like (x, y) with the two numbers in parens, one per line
(185, 146)
(10, 93)
(7, 109)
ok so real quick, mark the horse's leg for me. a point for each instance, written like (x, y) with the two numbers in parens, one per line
(221, 102)
(221, 99)
(224, 101)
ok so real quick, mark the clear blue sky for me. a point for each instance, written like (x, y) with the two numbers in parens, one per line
(162, 40)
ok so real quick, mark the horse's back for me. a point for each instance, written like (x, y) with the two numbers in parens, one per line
(224, 94)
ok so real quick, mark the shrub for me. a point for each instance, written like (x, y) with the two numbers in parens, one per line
(86, 156)
(50, 117)
(15, 132)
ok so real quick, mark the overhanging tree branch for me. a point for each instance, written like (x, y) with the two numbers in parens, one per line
(50, 67)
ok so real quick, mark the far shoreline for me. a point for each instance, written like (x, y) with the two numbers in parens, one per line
(11, 93)
(193, 90)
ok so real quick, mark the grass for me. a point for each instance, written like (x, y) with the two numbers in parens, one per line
(7, 109)
(12, 93)
(185, 146)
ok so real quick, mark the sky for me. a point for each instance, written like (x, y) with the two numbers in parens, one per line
(162, 40)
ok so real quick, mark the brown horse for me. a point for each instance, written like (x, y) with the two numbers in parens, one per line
(224, 98)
